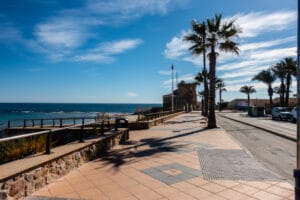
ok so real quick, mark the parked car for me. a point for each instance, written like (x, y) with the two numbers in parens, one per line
(281, 113)
(293, 114)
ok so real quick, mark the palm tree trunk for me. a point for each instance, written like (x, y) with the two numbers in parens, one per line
(270, 92)
(287, 95)
(248, 99)
(220, 97)
(205, 82)
(212, 74)
(282, 93)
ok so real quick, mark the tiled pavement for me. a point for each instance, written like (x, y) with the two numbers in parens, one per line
(177, 160)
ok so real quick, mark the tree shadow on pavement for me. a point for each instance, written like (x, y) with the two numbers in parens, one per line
(145, 148)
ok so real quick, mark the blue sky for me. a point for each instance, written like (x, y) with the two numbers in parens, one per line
(122, 50)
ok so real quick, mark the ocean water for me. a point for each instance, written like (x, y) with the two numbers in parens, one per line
(19, 111)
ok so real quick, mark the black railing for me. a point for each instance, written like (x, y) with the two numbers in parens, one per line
(156, 115)
(59, 122)
(103, 124)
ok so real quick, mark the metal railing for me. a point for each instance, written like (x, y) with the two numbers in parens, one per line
(60, 122)
(104, 123)
(156, 115)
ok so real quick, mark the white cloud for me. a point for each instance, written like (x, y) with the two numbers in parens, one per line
(60, 34)
(128, 9)
(132, 94)
(255, 23)
(258, 45)
(105, 52)
(177, 47)
(117, 47)
(274, 53)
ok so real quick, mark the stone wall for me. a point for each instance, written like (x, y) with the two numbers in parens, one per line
(24, 184)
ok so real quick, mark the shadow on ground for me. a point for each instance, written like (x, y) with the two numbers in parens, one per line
(145, 148)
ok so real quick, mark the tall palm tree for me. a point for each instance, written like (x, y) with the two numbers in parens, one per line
(198, 39)
(201, 77)
(290, 66)
(220, 85)
(247, 90)
(267, 77)
(280, 72)
(219, 36)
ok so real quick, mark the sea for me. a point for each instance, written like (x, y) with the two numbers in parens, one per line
(17, 112)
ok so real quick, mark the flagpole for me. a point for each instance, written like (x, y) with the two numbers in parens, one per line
(172, 67)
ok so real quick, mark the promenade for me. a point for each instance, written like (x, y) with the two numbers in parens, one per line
(179, 159)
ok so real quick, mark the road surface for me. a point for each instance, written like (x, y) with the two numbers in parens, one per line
(276, 153)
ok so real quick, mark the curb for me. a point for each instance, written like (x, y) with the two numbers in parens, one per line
(264, 129)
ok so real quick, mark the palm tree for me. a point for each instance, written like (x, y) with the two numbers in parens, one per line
(290, 66)
(201, 95)
(201, 77)
(280, 72)
(218, 36)
(220, 85)
(267, 77)
(247, 90)
(198, 39)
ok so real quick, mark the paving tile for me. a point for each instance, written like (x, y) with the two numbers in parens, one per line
(245, 189)
(259, 185)
(262, 195)
(231, 194)
(166, 190)
(213, 187)
(226, 183)
(285, 185)
(279, 191)
(180, 196)
(198, 181)
(118, 194)
(92, 194)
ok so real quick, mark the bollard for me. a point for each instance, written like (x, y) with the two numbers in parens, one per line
(82, 121)
(81, 139)
(74, 121)
(53, 122)
(102, 127)
(33, 123)
(48, 143)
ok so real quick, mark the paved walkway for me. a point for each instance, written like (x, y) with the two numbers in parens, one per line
(176, 160)
(283, 128)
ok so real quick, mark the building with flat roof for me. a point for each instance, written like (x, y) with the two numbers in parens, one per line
(184, 97)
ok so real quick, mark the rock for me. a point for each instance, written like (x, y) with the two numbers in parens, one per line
(3, 194)
(39, 183)
(29, 189)
(17, 187)
(7, 184)
(28, 177)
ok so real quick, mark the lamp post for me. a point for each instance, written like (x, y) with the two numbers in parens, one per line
(297, 170)
(172, 67)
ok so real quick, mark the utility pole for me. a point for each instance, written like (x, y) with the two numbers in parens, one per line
(297, 170)
(172, 67)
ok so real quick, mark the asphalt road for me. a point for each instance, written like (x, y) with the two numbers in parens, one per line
(275, 153)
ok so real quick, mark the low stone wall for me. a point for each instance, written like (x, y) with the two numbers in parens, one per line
(25, 183)
(148, 124)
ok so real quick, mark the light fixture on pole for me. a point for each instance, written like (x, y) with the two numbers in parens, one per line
(172, 68)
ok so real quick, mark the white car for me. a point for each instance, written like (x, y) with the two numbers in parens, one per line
(293, 114)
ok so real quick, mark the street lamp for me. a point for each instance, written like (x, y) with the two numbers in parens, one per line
(297, 170)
